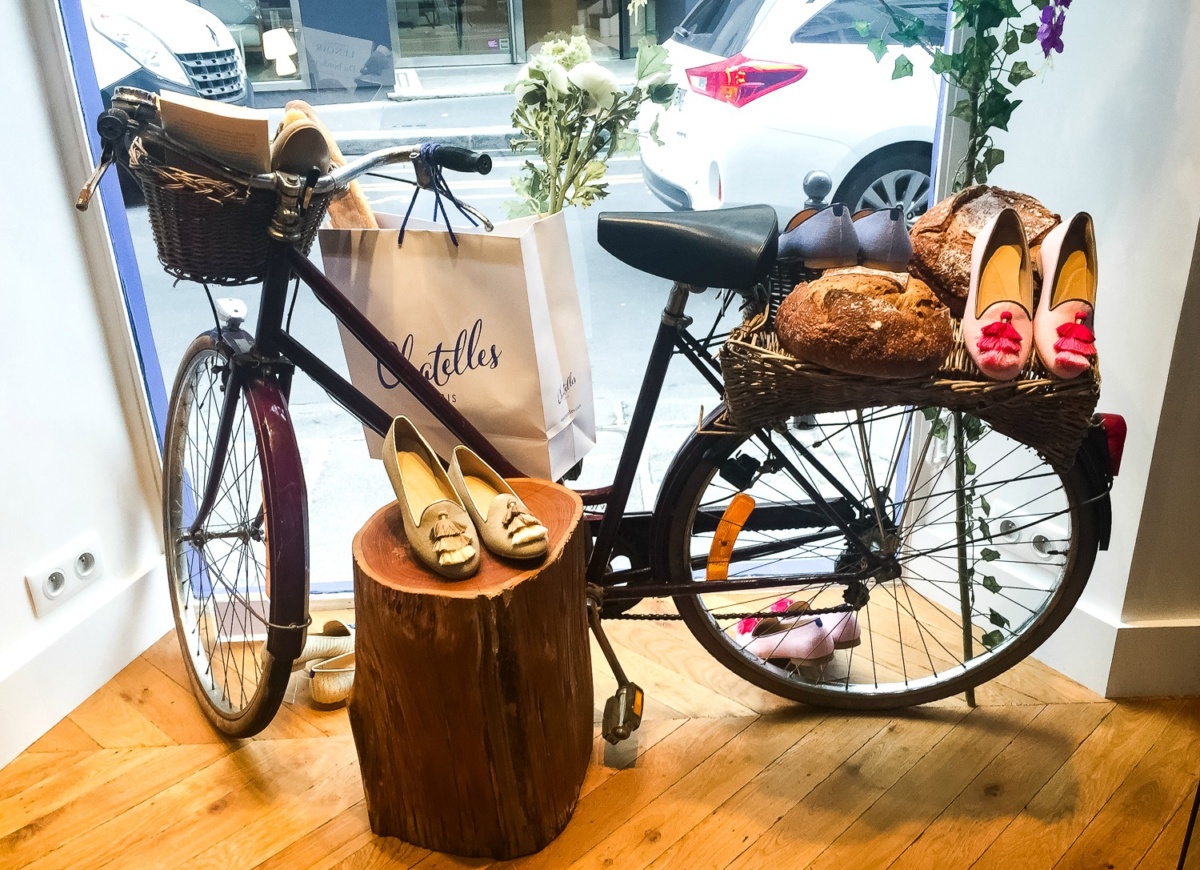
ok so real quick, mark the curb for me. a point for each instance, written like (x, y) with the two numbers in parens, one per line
(475, 138)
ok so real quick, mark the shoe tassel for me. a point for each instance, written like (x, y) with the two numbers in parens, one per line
(523, 528)
(1000, 344)
(449, 542)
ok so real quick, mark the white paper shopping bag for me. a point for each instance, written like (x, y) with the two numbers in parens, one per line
(493, 322)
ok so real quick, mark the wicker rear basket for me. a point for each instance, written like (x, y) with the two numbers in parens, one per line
(765, 386)
(210, 230)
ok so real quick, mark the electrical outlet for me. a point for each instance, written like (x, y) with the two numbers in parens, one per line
(56, 579)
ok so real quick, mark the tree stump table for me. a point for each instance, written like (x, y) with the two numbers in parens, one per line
(472, 701)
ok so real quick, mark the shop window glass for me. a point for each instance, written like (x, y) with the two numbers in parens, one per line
(452, 28)
(835, 23)
(719, 26)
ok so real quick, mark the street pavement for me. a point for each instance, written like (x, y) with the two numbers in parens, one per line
(621, 311)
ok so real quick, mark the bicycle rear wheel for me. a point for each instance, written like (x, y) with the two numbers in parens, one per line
(989, 548)
(223, 574)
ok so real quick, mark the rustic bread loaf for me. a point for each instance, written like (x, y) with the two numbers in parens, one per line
(942, 237)
(863, 322)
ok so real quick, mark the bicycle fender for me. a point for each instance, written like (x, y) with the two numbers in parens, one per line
(285, 502)
(1093, 461)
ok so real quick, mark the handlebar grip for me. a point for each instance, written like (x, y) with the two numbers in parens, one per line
(112, 124)
(462, 159)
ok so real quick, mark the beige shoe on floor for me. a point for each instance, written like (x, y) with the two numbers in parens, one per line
(331, 678)
(507, 527)
(439, 529)
(335, 639)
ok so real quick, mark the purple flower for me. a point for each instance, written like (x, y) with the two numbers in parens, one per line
(1049, 33)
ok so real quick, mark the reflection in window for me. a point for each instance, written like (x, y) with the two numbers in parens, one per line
(835, 23)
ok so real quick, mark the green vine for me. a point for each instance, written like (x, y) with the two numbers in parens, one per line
(977, 511)
(985, 69)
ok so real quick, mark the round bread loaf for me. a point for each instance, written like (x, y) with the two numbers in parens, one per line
(878, 324)
(943, 237)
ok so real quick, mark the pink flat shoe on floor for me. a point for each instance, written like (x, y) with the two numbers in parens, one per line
(1062, 328)
(808, 641)
(997, 322)
(843, 627)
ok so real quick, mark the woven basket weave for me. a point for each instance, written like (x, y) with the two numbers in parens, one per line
(209, 230)
(765, 386)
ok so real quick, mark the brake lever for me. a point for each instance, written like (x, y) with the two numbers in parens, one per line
(107, 155)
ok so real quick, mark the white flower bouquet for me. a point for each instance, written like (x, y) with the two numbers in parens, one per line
(571, 111)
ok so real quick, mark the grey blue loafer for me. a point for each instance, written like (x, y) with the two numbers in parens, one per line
(883, 240)
(821, 238)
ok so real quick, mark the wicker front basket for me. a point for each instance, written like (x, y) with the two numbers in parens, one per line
(765, 386)
(210, 230)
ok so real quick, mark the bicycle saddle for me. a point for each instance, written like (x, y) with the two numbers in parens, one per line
(730, 248)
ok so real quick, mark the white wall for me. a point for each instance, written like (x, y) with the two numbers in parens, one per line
(1114, 129)
(76, 450)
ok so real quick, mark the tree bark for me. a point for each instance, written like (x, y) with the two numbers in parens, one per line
(472, 704)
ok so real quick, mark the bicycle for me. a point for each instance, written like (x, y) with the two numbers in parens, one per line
(866, 512)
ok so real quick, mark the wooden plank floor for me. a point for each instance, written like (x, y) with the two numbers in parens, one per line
(1042, 773)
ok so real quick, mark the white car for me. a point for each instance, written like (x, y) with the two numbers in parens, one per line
(771, 89)
(165, 45)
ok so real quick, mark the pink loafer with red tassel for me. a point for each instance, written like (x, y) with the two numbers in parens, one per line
(998, 320)
(1062, 329)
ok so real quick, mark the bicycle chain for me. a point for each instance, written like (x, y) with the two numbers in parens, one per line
(654, 617)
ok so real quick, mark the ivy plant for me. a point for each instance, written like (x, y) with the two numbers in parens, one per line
(985, 69)
(978, 515)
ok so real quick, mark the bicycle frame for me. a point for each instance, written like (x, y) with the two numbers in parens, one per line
(275, 350)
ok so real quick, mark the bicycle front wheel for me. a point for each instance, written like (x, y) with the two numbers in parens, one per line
(985, 550)
(221, 574)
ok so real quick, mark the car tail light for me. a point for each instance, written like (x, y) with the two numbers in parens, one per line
(739, 80)
(1115, 431)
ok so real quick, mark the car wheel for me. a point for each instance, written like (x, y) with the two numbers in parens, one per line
(898, 177)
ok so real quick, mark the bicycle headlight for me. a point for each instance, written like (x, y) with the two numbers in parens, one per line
(141, 45)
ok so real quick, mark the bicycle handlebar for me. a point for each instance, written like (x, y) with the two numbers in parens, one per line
(134, 111)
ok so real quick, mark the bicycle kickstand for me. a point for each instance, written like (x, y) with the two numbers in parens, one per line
(623, 711)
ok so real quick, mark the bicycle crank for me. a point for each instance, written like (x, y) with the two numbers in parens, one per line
(623, 711)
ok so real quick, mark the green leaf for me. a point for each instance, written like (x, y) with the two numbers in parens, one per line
(995, 110)
(987, 554)
(998, 619)
(1020, 72)
(1029, 33)
(902, 68)
(964, 110)
(651, 60)
(987, 508)
(1011, 43)
(653, 133)
(989, 583)
(663, 94)
(984, 528)
(993, 638)
(877, 47)
(930, 414)
(863, 27)
(973, 426)
(968, 465)
(939, 430)
(942, 62)
(992, 158)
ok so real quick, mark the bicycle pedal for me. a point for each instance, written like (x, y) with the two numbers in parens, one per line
(623, 713)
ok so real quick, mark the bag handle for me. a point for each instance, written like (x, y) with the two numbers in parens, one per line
(430, 177)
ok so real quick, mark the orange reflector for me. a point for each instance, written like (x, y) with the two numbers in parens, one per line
(735, 516)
